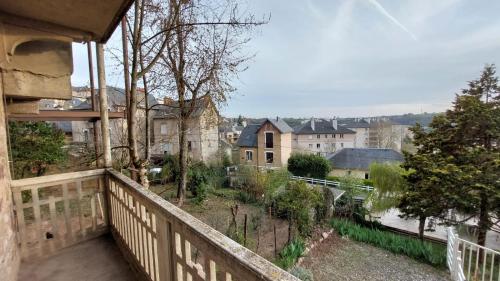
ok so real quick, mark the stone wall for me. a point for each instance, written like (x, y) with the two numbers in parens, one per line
(9, 255)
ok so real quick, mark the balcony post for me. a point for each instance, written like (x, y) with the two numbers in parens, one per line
(103, 106)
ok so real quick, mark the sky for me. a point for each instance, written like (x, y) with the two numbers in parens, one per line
(351, 58)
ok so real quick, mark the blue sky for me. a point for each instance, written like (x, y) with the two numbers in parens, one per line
(355, 57)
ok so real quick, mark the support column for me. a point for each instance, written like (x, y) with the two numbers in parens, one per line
(103, 106)
(94, 101)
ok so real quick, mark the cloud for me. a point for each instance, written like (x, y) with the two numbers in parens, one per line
(385, 13)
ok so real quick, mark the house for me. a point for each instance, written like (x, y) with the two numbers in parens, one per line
(356, 162)
(231, 133)
(362, 129)
(202, 135)
(322, 137)
(266, 144)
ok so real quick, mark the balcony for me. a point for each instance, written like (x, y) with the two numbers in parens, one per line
(101, 225)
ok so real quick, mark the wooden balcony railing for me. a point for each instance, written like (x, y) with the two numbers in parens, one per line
(160, 241)
(57, 211)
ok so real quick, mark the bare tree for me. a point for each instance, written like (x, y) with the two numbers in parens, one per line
(203, 55)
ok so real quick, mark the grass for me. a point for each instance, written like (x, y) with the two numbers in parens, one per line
(430, 253)
(290, 254)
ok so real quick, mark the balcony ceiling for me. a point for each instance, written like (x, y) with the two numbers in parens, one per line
(86, 20)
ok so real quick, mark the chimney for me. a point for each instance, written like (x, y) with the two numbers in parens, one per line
(277, 118)
(334, 123)
(167, 101)
(312, 123)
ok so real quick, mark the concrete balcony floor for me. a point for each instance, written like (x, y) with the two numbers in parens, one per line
(98, 259)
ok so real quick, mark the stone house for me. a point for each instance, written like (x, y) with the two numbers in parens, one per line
(362, 129)
(356, 162)
(202, 135)
(267, 144)
(322, 137)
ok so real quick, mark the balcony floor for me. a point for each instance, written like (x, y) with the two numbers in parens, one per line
(97, 259)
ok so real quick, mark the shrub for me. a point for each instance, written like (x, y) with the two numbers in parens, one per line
(303, 274)
(290, 254)
(297, 201)
(427, 252)
(170, 169)
(309, 165)
(368, 182)
(198, 175)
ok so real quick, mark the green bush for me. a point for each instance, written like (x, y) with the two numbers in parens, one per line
(368, 182)
(427, 252)
(309, 165)
(333, 178)
(303, 274)
(290, 254)
(170, 169)
(198, 176)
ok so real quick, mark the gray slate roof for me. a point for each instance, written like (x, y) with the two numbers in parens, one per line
(361, 158)
(321, 126)
(172, 110)
(353, 123)
(248, 137)
(280, 124)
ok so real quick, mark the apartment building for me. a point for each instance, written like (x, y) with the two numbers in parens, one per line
(322, 137)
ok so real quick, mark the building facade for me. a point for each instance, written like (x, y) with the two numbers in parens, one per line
(202, 135)
(268, 144)
(322, 137)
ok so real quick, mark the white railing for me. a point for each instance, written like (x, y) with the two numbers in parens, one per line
(470, 261)
(329, 183)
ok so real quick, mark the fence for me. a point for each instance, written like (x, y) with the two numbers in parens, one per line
(329, 183)
(58, 211)
(470, 261)
(160, 241)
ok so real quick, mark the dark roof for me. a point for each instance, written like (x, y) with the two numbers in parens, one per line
(353, 123)
(321, 126)
(172, 109)
(248, 137)
(361, 158)
(280, 124)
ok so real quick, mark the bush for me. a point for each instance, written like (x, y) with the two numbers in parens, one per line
(297, 201)
(368, 182)
(170, 169)
(303, 274)
(198, 175)
(309, 165)
(427, 252)
(290, 254)
(333, 178)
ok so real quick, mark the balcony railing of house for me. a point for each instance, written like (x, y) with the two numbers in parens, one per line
(159, 240)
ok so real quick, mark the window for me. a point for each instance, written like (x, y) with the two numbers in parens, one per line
(249, 155)
(310, 145)
(86, 135)
(367, 176)
(318, 145)
(190, 146)
(269, 157)
(326, 136)
(269, 138)
(163, 129)
(318, 136)
(341, 136)
(341, 144)
(334, 136)
(349, 173)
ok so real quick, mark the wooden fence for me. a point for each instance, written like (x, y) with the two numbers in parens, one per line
(470, 261)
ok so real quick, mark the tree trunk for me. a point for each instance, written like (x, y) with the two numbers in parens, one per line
(132, 128)
(483, 224)
(183, 157)
(421, 227)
